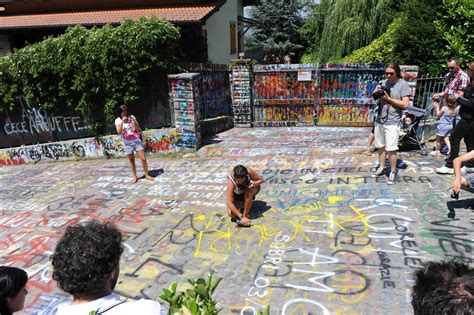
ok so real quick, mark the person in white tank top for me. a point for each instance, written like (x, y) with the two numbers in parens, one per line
(243, 183)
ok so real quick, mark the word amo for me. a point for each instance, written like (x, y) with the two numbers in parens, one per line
(348, 180)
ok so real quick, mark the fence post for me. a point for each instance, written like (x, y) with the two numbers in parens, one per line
(184, 95)
(241, 92)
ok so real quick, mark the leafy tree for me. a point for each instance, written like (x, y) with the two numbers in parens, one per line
(91, 71)
(455, 24)
(405, 41)
(415, 38)
(343, 26)
(277, 27)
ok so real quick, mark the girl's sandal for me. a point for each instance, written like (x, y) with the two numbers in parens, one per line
(241, 223)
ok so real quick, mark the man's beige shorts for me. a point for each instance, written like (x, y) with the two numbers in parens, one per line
(386, 136)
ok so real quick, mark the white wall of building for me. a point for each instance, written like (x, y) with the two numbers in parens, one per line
(4, 45)
(218, 31)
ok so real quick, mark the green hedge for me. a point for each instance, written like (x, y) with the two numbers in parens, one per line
(89, 70)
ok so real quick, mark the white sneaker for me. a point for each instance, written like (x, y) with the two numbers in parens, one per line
(379, 172)
(444, 170)
(392, 178)
(466, 170)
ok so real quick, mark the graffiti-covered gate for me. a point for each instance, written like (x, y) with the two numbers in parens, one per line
(346, 94)
(310, 94)
(284, 95)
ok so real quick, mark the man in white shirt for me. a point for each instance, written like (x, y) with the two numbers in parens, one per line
(86, 265)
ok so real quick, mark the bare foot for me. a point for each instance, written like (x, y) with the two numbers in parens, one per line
(134, 179)
(148, 177)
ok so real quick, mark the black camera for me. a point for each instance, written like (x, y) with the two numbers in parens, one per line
(380, 93)
(455, 195)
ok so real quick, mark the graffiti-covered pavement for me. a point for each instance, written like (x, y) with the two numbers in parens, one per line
(327, 238)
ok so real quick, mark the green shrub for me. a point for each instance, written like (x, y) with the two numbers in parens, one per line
(89, 70)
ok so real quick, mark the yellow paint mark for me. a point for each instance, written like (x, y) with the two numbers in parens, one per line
(334, 199)
(360, 216)
(200, 217)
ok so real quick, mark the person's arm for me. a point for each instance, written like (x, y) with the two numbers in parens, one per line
(457, 169)
(465, 102)
(256, 179)
(403, 103)
(137, 126)
(119, 125)
(439, 111)
(230, 199)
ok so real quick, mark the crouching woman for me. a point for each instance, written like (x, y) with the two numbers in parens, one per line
(243, 183)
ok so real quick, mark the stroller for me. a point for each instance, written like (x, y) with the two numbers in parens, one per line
(414, 134)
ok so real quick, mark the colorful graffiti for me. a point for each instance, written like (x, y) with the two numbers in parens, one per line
(346, 94)
(327, 237)
(214, 94)
(184, 95)
(240, 78)
(284, 95)
(32, 125)
(156, 141)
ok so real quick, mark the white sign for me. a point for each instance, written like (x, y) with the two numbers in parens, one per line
(304, 75)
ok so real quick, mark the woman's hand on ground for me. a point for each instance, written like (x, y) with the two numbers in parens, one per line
(246, 221)
(456, 186)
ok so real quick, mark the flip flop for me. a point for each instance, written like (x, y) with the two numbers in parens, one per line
(240, 223)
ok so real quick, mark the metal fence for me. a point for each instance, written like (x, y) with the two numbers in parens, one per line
(425, 88)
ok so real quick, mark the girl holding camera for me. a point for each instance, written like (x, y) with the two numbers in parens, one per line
(127, 126)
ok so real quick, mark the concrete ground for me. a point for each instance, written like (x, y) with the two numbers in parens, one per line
(327, 238)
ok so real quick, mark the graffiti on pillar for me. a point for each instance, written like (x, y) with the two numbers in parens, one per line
(185, 95)
(410, 74)
(241, 91)
(31, 124)
(346, 94)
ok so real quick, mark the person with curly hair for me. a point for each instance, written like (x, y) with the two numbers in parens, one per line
(86, 265)
(12, 289)
(444, 288)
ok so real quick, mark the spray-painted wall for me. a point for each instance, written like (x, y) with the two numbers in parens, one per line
(160, 141)
(29, 124)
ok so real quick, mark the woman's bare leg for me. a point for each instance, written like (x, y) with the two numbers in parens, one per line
(142, 156)
(131, 158)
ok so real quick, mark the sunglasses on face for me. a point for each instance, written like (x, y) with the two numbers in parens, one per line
(451, 68)
(389, 73)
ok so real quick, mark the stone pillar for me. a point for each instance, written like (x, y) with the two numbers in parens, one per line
(241, 90)
(184, 97)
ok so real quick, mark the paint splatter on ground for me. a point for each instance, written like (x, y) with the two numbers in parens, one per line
(327, 236)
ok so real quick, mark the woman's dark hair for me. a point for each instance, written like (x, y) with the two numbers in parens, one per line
(395, 67)
(240, 171)
(122, 109)
(12, 281)
(85, 257)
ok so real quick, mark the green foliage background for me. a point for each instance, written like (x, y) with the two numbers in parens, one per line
(419, 32)
(89, 70)
(277, 29)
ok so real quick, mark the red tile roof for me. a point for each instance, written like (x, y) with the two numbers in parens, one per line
(173, 14)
